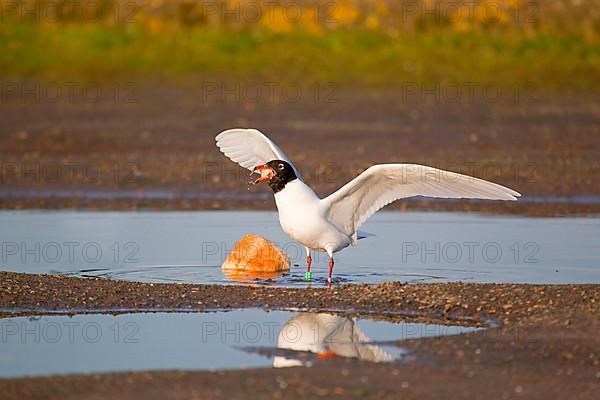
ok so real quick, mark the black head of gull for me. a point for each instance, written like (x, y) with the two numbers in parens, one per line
(277, 172)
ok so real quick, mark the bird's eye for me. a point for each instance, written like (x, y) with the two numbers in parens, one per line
(280, 166)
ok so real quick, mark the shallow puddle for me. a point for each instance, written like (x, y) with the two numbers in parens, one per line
(413, 247)
(249, 338)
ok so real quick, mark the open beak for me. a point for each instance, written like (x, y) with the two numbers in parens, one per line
(265, 172)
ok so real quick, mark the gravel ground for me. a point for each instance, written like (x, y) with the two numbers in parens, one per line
(545, 344)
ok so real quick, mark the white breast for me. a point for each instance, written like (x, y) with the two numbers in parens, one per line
(301, 218)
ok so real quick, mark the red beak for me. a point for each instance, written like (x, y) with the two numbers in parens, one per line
(265, 172)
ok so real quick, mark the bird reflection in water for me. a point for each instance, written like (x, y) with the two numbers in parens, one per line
(327, 336)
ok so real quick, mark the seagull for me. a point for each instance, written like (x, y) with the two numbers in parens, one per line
(331, 224)
(327, 335)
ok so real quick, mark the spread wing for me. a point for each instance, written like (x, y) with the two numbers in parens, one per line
(379, 185)
(249, 148)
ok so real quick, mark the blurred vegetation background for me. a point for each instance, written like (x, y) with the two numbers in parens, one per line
(554, 43)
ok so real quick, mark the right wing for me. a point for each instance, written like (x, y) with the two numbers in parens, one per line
(250, 147)
(379, 185)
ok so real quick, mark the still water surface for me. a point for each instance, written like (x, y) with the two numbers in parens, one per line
(251, 338)
(413, 247)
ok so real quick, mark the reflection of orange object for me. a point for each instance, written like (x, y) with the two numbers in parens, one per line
(256, 255)
(326, 355)
(249, 276)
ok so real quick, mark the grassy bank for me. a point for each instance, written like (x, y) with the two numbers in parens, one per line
(355, 51)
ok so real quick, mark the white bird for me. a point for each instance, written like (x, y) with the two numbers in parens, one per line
(331, 224)
(327, 334)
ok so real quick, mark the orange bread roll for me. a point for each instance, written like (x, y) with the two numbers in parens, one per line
(255, 253)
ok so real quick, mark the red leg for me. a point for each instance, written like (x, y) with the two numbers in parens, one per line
(308, 274)
(330, 269)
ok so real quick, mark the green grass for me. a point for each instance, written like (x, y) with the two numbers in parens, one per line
(357, 57)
